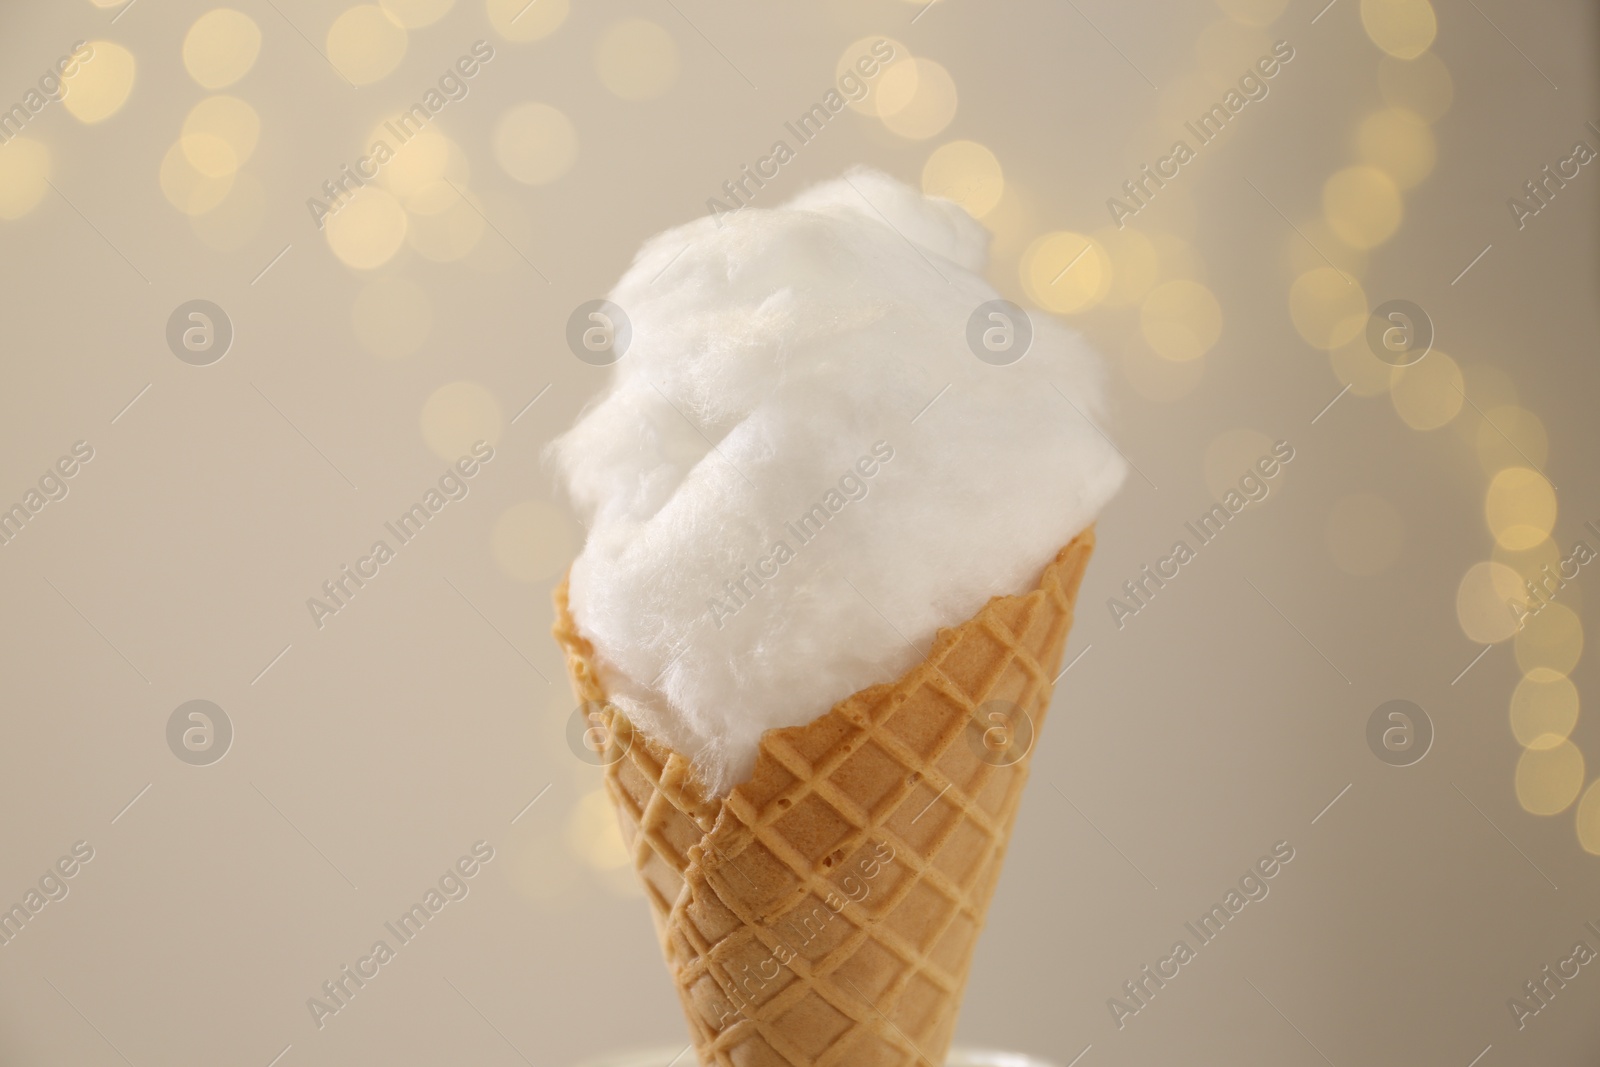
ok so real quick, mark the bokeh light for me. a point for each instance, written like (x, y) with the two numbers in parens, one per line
(522, 21)
(1402, 28)
(1399, 143)
(861, 62)
(636, 59)
(102, 84)
(221, 47)
(535, 143)
(1548, 780)
(593, 834)
(1421, 85)
(457, 415)
(533, 541)
(392, 317)
(365, 44)
(413, 14)
(1544, 709)
(1065, 272)
(1365, 534)
(368, 230)
(1180, 319)
(966, 172)
(24, 176)
(1135, 265)
(917, 99)
(1589, 819)
(220, 134)
(1428, 394)
(188, 190)
(1552, 639)
(1361, 205)
(1485, 599)
(429, 158)
(1520, 508)
(1329, 309)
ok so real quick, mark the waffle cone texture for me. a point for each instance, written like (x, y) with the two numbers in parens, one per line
(824, 912)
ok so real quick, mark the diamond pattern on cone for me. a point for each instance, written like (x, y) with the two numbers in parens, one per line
(824, 912)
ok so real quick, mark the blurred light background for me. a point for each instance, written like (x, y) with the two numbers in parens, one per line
(1439, 155)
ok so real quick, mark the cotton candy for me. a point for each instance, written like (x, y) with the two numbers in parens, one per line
(743, 569)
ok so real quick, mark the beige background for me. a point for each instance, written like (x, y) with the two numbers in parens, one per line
(371, 753)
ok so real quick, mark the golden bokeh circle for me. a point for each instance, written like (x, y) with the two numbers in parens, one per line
(368, 230)
(392, 317)
(414, 14)
(1329, 309)
(102, 84)
(1180, 319)
(533, 541)
(636, 59)
(1135, 265)
(221, 47)
(1520, 508)
(1544, 709)
(535, 143)
(918, 99)
(1402, 28)
(220, 135)
(186, 188)
(1427, 395)
(1065, 272)
(1365, 534)
(1552, 639)
(365, 44)
(1362, 205)
(1399, 143)
(1589, 819)
(1548, 780)
(966, 172)
(593, 835)
(860, 68)
(1486, 602)
(456, 416)
(24, 176)
(1354, 364)
(521, 21)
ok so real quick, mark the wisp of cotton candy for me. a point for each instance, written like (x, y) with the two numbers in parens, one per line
(801, 468)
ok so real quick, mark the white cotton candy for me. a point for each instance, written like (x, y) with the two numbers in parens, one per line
(778, 356)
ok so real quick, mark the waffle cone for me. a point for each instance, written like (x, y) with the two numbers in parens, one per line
(825, 911)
